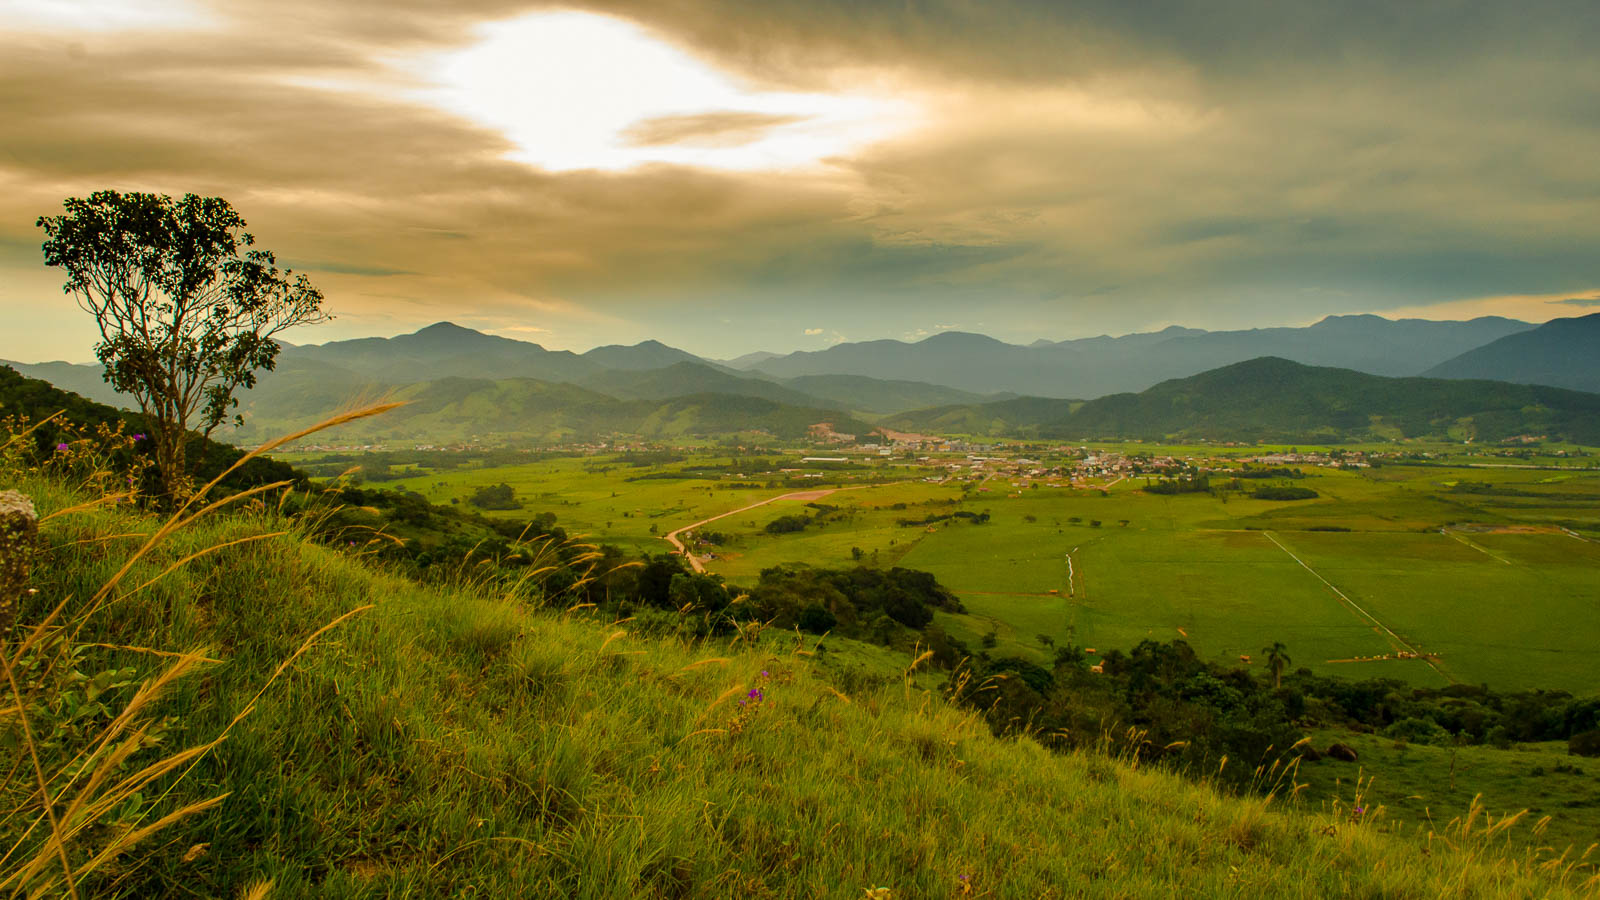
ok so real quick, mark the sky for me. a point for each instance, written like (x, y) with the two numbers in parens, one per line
(730, 176)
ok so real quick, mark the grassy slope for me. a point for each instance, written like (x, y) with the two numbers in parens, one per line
(445, 743)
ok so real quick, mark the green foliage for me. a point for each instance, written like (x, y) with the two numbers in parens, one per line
(457, 740)
(1170, 486)
(495, 496)
(788, 524)
(185, 307)
(31, 400)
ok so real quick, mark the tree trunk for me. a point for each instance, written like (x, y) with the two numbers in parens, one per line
(171, 459)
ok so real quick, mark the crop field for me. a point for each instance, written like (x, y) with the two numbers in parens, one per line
(1430, 573)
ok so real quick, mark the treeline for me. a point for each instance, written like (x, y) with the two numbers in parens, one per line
(1204, 485)
(1164, 702)
(882, 606)
(932, 518)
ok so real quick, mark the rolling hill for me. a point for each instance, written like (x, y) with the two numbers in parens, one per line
(1561, 352)
(685, 378)
(880, 395)
(526, 410)
(453, 739)
(1271, 398)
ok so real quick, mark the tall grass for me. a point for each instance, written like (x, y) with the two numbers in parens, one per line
(94, 792)
(470, 740)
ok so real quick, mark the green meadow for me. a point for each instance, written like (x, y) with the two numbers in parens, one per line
(1415, 788)
(1487, 568)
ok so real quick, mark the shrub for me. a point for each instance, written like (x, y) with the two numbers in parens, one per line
(1585, 744)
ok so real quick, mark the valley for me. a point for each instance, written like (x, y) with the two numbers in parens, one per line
(1451, 566)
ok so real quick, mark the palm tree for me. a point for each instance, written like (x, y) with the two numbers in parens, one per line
(1277, 660)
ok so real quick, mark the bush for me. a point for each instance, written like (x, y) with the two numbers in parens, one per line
(1585, 744)
(499, 496)
(816, 619)
(788, 524)
(1414, 730)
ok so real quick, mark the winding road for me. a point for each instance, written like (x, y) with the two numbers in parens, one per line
(672, 538)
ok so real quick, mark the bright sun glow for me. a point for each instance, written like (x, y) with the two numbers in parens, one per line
(582, 91)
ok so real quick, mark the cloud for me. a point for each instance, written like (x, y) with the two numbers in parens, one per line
(1221, 166)
(813, 331)
(1577, 301)
(721, 129)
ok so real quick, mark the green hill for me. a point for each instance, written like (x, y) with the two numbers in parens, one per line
(879, 395)
(461, 741)
(1561, 352)
(32, 399)
(685, 378)
(1273, 399)
(452, 410)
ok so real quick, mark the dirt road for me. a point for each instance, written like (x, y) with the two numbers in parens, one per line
(694, 561)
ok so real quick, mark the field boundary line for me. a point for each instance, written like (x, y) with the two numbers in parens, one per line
(1357, 607)
(1451, 534)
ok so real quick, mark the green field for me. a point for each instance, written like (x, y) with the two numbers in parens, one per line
(1413, 788)
(1491, 568)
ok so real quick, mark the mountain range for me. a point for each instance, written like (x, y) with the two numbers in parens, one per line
(1274, 399)
(1561, 352)
(463, 382)
(1094, 367)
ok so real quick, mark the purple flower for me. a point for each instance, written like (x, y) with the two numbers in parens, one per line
(139, 436)
(756, 695)
(1360, 809)
(61, 448)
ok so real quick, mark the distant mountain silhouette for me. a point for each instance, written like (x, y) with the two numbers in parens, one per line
(640, 356)
(1093, 367)
(443, 350)
(697, 377)
(1561, 352)
(959, 381)
(1273, 399)
(880, 395)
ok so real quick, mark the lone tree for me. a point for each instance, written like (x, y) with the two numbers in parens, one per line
(186, 307)
(1277, 660)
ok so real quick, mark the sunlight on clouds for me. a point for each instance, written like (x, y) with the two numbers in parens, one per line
(101, 15)
(583, 91)
(1527, 307)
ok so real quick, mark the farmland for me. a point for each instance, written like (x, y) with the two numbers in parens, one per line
(1453, 569)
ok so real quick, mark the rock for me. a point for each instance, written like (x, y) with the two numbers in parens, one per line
(19, 533)
(1342, 752)
(1310, 754)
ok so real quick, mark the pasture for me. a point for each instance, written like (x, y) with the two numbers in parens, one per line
(1494, 569)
